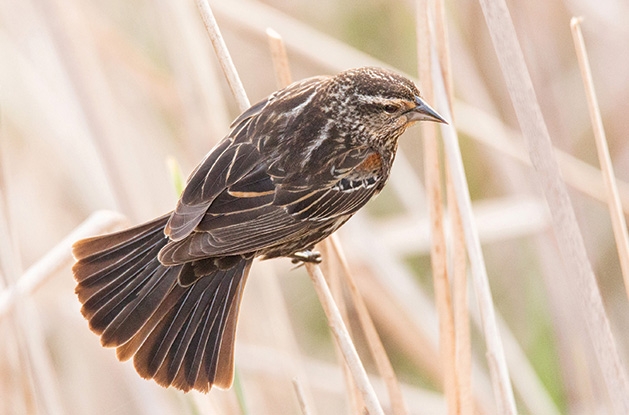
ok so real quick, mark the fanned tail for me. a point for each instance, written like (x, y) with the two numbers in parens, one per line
(180, 335)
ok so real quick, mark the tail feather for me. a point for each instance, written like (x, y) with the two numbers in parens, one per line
(116, 278)
(226, 351)
(190, 334)
(100, 255)
(181, 336)
(129, 316)
(108, 261)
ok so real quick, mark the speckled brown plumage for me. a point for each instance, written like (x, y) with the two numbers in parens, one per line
(294, 168)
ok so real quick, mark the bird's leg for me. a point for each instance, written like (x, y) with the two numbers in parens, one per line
(307, 255)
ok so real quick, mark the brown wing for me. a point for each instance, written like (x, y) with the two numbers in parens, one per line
(224, 166)
(233, 205)
(228, 162)
(256, 213)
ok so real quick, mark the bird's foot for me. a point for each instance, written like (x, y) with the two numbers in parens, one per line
(304, 256)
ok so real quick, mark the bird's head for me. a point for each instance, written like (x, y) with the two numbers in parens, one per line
(377, 104)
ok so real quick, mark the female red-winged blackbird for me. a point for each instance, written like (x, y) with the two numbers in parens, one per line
(294, 168)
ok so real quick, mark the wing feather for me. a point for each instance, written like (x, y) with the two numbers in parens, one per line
(213, 176)
(266, 226)
(233, 204)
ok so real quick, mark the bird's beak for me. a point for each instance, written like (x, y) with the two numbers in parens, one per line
(424, 112)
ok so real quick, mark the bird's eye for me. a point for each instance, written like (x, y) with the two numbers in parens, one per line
(390, 108)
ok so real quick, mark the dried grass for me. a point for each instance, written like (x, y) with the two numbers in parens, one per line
(97, 95)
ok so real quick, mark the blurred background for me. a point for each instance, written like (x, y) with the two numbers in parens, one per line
(96, 96)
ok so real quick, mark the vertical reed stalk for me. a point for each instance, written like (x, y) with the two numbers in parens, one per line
(613, 196)
(569, 238)
(335, 321)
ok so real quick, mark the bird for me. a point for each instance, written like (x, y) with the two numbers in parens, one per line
(293, 168)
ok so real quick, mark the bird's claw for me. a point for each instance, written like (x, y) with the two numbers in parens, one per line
(309, 256)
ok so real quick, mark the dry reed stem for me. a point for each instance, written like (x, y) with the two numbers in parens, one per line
(330, 270)
(398, 407)
(403, 183)
(401, 324)
(569, 238)
(443, 50)
(396, 324)
(335, 321)
(462, 341)
(39, 373)
(327, 378)
(222, 53)
(304, 40)
(396, 399)
(283, 78)
(577, 172)
(280, 58)
(491, 132)
(301, 398)
(495, 352)
(438, 251)
(613, 198)
(404, 311)
(533, 393)
(57, 258)
(337, 326)
(203, 113)
(307, 43)
(284, 336)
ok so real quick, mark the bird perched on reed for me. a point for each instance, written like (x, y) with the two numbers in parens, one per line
(294, 168)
